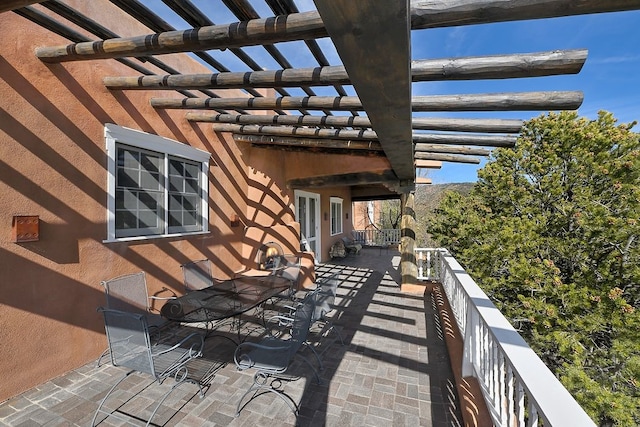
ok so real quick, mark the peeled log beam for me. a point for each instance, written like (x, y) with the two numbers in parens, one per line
(289, 120)
(15, 4)
(361, 178)
(467, 151)
(469, 68)
(517, 101)
(423, 123)
(434, 14)
(468, 125)
(326, 146)
(522, 101)
(291, 131)
(458, 139)
(447, 158)
(296, 26)
(309, 25)
(427, 164)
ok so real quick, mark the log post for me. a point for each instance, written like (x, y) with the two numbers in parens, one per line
(408, 265)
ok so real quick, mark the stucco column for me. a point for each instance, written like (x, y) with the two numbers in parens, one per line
(408, 266)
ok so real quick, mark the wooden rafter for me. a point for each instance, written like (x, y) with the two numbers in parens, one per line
(447, 158)
(423, 141)
(309, 25)
(360, 31)
(290, 131)
(386, 177)
(418, 123)
(447, 149)
(327, 146)
(469, 68)
(516, 101)
(8, 5)
(428, 164)
(466, 139)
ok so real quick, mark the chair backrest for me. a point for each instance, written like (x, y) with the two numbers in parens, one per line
(288, 266)
(197, 275)
(325, 295)
(129, 343)
(302, 322)
(127, 293)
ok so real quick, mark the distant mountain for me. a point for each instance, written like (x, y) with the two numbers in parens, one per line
(428, 196)
(427, 199)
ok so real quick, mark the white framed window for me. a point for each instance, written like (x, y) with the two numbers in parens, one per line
(336, 215)
(157, 187)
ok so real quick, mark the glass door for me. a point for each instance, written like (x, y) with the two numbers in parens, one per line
(308, 215)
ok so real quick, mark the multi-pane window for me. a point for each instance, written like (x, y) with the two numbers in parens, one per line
(336, 215)
(157, 187)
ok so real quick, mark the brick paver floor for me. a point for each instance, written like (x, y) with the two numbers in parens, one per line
(392, 371)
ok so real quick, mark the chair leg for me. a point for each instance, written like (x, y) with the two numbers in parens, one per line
(99, 410)
(315, 353)
(263, 382)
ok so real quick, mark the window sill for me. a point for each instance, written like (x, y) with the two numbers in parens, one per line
(154, 237)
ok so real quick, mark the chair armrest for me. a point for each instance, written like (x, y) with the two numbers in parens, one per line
(195, 349)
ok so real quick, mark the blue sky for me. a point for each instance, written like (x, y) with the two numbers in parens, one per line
(610, 78)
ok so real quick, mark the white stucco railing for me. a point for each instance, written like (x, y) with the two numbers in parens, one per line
(375, 237)
(517, 386)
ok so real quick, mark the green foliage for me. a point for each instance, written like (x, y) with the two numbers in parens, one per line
(551, 233)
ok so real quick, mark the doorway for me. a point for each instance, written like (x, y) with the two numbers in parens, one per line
(308, 215)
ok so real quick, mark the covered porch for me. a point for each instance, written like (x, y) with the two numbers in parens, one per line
(393, 369)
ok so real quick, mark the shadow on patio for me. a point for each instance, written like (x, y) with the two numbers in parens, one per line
(393, 370)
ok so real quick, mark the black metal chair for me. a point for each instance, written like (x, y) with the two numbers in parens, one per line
(272, 357)
(130, 347)
(129, 293)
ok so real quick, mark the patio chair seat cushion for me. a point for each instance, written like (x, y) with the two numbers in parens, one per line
(338, 250)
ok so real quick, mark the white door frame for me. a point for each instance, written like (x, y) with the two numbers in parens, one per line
(308, 195)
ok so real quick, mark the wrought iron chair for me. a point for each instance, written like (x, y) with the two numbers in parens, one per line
(130, 347)
(197, 275)
(350, 245)
(288, 267)
(129, 293)
(324, 296)
(272, 357)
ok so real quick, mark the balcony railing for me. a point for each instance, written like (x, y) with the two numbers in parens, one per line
(517, 386)
(376, 237)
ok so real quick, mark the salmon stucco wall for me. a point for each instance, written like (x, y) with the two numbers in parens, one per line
(53, 164)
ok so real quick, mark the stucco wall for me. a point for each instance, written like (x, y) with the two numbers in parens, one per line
(53, 164)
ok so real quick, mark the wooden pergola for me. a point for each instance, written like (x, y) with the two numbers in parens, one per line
(378, 121)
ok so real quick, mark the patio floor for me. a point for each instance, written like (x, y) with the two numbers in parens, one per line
(393, 370)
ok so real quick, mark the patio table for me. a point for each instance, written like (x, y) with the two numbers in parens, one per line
(225, 299)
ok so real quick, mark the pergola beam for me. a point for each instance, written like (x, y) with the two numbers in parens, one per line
(516, 101)
(428, 164)
(417, 123)
(290, 131)
(467, 68)
(309, 25)
(435, 14)
(310, 145)
(422, 140)
(447, 149)
(360, 31)
(386, 177)
(466, 139)
(447, 158)
(8, 5)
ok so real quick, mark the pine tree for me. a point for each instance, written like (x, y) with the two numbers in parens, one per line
(551, 232)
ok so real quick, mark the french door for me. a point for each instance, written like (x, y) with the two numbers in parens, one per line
(308, 215)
